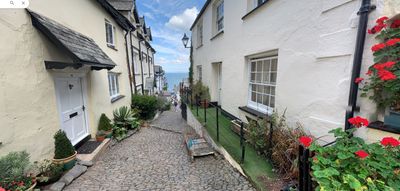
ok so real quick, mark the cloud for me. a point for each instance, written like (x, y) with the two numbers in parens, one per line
(149, 15)
(183, 21)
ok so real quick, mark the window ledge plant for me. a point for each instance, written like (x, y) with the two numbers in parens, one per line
(352, 164)
(383, 83)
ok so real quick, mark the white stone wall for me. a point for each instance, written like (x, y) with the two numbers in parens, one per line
(315, 40)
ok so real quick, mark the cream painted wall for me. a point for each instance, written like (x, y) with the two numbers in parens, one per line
(315, 42)
(28, 110)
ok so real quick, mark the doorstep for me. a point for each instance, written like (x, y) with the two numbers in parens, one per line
(96, 153)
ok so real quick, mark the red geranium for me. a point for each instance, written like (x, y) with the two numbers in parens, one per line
(386, 75)
(369, 72)
(359, 80)
(358, 121)
(362, 154)
(305, 141)
(376, 28)
(378, 47)
(395, 24)
(382, 20)
(2, 189)
(384, 65)
(390, 141)
(393, 41)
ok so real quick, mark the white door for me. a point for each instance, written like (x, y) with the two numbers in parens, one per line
(71, 107)
(219, 82)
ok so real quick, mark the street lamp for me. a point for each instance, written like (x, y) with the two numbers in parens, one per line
(185, 41)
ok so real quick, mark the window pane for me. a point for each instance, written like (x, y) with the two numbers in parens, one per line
(267, 89)
(258, 77)
(266, 100)
(272, 104)
(266, 78)
(259, 98)
(109, 84)
(253, 77)
(267, 65)
(253, 96)
(273, 78)
(253, 66)
(272, 90)
(274, 66)
(253, 88)
(259, 66)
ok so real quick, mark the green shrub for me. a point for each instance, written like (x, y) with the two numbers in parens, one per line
(63, 147)
(120, 133)
(202, 91)
(163, 104)
(125, 117)
(13, 171)
(48, 171)
(145, 105)
(104, 123)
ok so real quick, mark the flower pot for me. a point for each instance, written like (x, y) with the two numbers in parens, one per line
(68, 162)
(32, 187)
(204, 104)
(100, 138)
(393, 119)
(109, 133)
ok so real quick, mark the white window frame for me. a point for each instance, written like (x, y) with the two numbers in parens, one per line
(257, 3)
(144, 56)
(219, 16)
(200, 34)
(113, 84)
(110, 40)
(199, 73)
(271, 95)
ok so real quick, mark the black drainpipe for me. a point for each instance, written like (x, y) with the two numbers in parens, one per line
(141, 63)
(365, 9)
(127, 59)
(133, 65)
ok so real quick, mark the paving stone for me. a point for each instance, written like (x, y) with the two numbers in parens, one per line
(155, 159)
(72, 174)
(85, 163)
(58, 186)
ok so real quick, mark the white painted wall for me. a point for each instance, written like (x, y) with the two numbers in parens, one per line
(315, 40)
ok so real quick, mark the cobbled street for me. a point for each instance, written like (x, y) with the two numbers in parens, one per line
(155, 158)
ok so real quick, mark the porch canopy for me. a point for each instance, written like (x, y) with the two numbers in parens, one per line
(82, 49)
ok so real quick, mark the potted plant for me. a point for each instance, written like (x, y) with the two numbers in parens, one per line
(100, 136)
(64, 153)
(105, 125)
(14, 174)
(124, 117)
(48, 172)
(203, 94)
(383, 85)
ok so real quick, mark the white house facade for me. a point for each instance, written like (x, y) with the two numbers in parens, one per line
(282, 55)
(64, 63)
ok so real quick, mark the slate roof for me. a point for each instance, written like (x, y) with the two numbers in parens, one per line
(118, 17)
(81, 48)
(121, 5)
(203, 9)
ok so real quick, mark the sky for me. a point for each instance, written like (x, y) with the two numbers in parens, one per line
(169, 20)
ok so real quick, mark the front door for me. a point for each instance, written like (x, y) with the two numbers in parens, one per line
(219, 82)
(71, 107)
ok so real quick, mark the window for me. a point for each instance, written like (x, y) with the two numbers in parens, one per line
(113, 85)
(110, 34)
(150, 60)
(220, 16)
(136, 61)
(144, 57)
(258, 3)
(262, 86)
(199, 73)
(200, 34)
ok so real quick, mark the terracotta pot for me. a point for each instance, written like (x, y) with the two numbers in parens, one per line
(109, 133)
(100, 138)
(68, 162)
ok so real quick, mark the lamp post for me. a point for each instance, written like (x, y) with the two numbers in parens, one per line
(185, 41)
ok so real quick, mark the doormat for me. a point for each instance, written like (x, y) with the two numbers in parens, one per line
(88, 147)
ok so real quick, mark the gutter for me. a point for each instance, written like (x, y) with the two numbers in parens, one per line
(127, 59)
(141, 63)
(133, 64)
(365, 9)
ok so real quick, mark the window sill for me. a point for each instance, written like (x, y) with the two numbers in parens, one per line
(253, 112)
(254, 10)
(379, 125)
(112, 47)
(114, 99)
(217, 35)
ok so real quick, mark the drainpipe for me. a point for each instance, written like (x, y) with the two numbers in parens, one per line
(141, 64)
(365, 9)
(133, 64)
(127, 59)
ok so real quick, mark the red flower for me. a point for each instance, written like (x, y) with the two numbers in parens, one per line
(376, 28)
(21, 183)
(358, 121)
(385, 65)
(382, 20)
(378, 47)
(392, 42)
(395, 24)
(386, 75)
(2, 189)
(369, 72)
(390, 141)
(305, 141)
(359, 80)
(362, 154)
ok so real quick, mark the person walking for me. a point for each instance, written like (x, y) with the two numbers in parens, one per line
(176, 105)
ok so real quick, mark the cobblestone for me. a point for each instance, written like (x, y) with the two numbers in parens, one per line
(155, 159)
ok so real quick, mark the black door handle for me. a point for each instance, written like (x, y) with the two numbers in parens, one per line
(73, 115)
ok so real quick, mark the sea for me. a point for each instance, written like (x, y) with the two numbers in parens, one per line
(174, 79)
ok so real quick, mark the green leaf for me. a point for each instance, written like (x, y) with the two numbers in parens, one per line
(353, 182)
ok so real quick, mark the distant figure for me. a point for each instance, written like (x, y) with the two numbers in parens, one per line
(176, 105)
